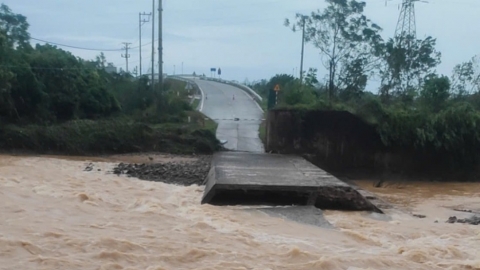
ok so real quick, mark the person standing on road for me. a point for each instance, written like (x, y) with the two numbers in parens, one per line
(233, 97)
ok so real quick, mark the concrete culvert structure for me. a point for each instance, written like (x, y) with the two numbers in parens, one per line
(238, 178)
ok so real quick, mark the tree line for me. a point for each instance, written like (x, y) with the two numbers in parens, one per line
(45, 84)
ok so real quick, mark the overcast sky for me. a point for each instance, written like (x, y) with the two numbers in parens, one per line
(246, 38)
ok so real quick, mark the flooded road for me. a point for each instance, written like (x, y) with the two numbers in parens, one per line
(54, 215)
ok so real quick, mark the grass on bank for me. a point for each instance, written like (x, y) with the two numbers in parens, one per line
(195, 104)
(211, 125)
(113, 136)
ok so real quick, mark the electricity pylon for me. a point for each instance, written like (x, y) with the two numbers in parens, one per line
(406, 31)
(406, 26)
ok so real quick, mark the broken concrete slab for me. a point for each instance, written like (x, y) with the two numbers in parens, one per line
(237, 178)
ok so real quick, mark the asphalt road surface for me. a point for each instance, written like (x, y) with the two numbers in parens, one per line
(224, 103)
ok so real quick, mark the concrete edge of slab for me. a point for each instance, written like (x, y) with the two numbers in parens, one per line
(220, 189)
(209, 183)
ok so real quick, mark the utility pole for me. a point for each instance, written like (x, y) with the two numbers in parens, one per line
(160, 45)
(303, 49)
(141, 22)
(153, 46)
(126, 55)
(182, 69)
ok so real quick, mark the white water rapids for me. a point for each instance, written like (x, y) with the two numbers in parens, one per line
(54, 215)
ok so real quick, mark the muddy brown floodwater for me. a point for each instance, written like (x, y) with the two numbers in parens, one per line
(54, 215)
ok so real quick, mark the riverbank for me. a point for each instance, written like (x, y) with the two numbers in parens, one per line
(112, 136)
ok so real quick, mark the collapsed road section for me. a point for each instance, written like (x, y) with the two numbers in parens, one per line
(239, 178)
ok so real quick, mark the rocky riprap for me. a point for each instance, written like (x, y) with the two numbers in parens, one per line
(474, 220)
(180, 173)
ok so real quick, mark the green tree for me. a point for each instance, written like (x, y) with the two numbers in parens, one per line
(281, 79)
(133, 96)
(260, 87)
(435, 92)
(353, 79)
(13, 37)
(404, 69)
(73, 88)
(466, 77)
(311, 77)
(6, 77)
(343, 34)
(15, 27)
(100, 61)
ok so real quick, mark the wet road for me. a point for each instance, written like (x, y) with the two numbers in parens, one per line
(224, 103)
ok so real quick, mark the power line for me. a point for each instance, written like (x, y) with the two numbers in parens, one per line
(76, 47)
(83, 48)
(62, 68)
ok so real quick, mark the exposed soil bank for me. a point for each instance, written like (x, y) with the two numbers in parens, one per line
(339, 141)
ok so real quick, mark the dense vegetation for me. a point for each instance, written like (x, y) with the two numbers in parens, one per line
(52, 101)
(414, 109)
